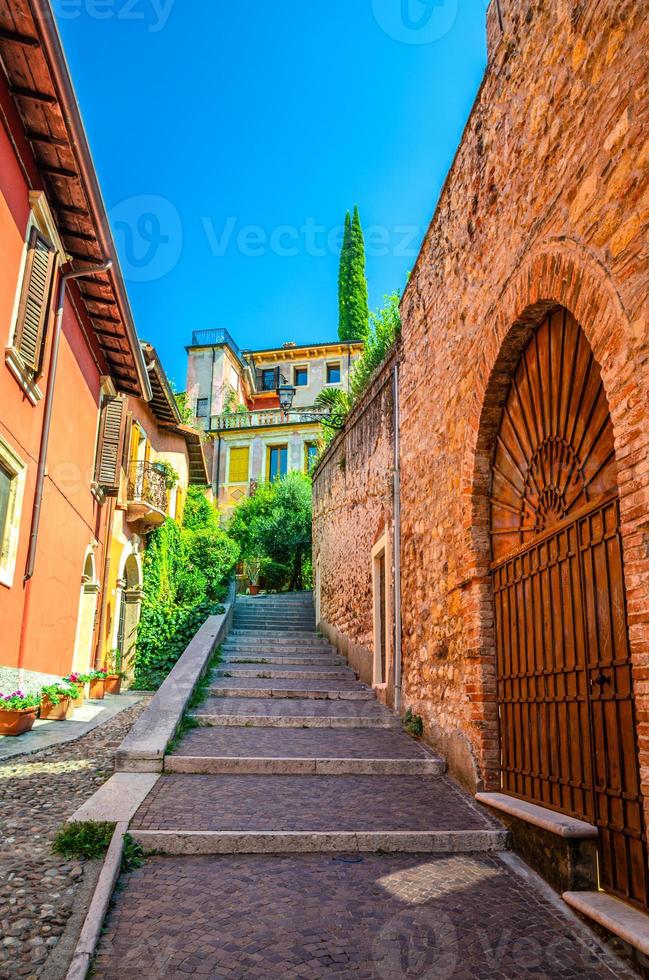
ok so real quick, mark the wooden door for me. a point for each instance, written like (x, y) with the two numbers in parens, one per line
(383, 619)
(567, 725)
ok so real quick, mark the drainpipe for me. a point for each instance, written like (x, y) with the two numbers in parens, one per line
(397, 542)
(45, 438)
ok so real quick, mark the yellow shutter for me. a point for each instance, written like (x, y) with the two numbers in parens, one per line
(239, 457)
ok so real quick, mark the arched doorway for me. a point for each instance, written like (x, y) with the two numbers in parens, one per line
(565, 698)
(128, 612)
(86, 616)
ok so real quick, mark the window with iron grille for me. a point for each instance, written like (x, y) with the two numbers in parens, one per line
(202, 408)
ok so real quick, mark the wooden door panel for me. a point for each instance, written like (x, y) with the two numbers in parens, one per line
(567, 725)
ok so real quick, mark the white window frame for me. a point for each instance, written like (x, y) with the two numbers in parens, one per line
(301, 367)
(381, 549)
(17, 470)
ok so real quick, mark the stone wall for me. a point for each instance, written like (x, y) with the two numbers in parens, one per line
(546, 204)
(352, 510)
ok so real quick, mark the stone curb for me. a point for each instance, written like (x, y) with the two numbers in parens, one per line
(550, 820)
(218, 766)
(284, 721)
(144, 747)
(94, 920)
(307, 842)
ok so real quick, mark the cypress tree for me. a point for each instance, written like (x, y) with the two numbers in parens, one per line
(343, 281)
(354, 325)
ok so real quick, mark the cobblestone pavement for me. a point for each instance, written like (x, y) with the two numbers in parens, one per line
(38, 792)
(308, 803)
(305, 743)
(387, 917)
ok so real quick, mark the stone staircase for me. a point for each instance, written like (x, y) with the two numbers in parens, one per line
(294, 754)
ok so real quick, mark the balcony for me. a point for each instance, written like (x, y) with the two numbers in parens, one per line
(147, 494)
(253, 420)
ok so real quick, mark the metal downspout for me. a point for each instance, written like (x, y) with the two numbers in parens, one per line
(397, 542)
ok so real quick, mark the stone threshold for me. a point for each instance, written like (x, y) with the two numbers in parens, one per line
(286, 721)
(308, 842)
(539, 816)
(213, 765)
(624, 921)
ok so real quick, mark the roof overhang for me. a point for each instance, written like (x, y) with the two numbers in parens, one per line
(41, 88)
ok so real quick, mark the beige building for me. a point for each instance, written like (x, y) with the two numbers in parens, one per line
(233, 394)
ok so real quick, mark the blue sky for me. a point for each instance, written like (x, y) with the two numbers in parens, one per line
(230, 136)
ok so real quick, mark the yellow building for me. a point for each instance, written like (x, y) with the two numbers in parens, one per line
(233, 395)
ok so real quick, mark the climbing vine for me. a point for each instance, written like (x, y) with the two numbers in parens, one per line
(186, 570)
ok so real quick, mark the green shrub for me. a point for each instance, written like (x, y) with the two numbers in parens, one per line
(276, 576)
(413, 724)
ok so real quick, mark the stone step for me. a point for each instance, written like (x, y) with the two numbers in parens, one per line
(294, 659)
(290, 842)
(264, 766)
(298, 672)
(304, 743)
(266, 643)
(270, 627)
(283, 690)
(305, 636)
(317, 812)
(294, 713)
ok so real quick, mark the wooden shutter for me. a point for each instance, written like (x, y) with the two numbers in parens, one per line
(239, 459)
(34, 309)
(110, 445)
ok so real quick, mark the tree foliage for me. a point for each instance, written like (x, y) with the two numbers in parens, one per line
(186, 571)
(353, 321)
(385, 327)
(275, 526)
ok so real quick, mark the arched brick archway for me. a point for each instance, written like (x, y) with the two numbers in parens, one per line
(555, 274)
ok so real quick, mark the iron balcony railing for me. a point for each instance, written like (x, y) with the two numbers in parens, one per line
(148, 485)
(252, 420)
(214, 338)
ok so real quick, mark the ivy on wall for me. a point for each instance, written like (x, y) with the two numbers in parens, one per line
(187, 566)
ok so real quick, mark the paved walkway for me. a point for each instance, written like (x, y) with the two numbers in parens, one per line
(300, 833)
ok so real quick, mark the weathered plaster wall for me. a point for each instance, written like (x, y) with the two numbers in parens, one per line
(547, 202)
(352, 509)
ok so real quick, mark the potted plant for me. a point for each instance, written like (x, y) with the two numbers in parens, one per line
(79, 681)
(18, 712)
(252, 568)
(57, 700)
(97, 684)
(114, 672)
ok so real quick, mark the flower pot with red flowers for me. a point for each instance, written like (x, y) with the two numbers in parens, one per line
(114, 672)
(18, 712)
(80, 681)
(58, 699)
(97, 685)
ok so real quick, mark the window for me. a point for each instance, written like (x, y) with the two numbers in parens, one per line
(333, 374)
(277, 462)
(202, 408)
(269, 379)
(12, 485)
(239, 459)
(310, 455)
(34, 307)
(300, 377)
(113, 419)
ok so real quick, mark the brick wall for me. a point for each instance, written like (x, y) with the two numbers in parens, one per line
(546, 203)
(352, 510)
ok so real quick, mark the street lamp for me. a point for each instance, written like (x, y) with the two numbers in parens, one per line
(286, 394)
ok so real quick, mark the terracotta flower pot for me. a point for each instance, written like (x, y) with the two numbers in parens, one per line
(57, 712)
(254, 589)
(78, 702)
(113, 684)
(17, 722)
(97, 689)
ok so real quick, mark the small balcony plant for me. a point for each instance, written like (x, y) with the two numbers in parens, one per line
(18, 712)
(57, 700)
(114, 675)
(97, 684)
